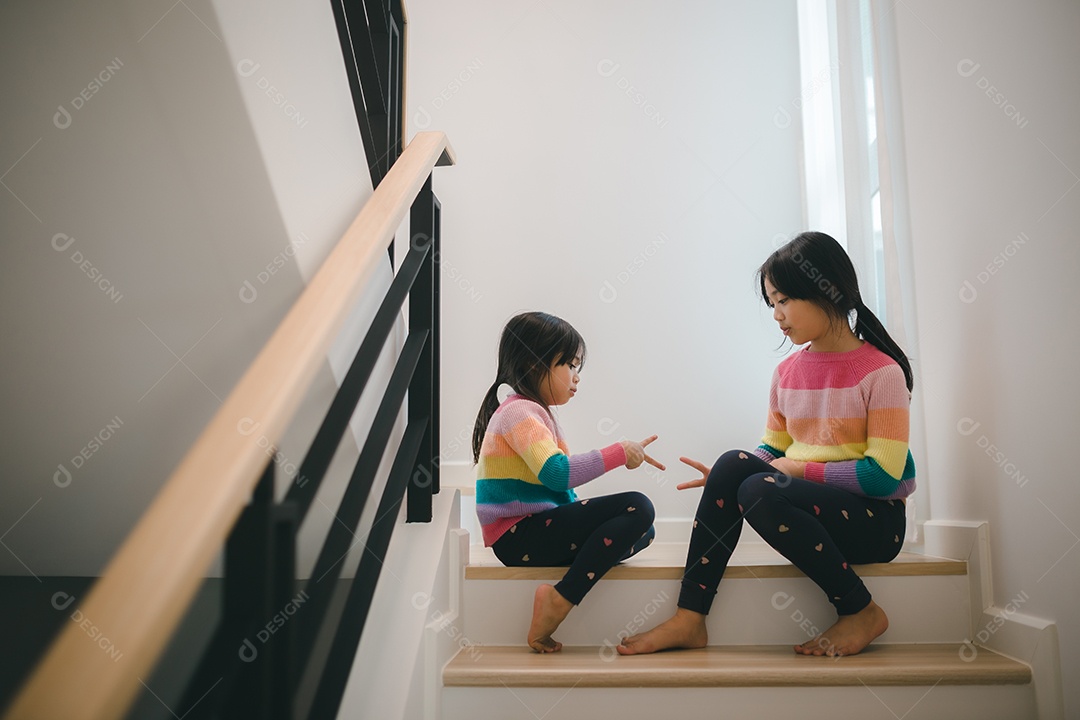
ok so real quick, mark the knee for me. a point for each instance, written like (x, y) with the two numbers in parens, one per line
(755, 489)
(642, 505)
(727, 466)
(731, 457)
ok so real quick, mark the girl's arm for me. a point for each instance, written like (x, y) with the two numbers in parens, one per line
(776, 440)
(525, 427)
(887, 469)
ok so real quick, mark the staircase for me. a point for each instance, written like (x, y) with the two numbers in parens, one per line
(922, 667)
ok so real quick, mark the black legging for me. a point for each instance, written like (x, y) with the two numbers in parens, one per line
(819, 528)
(591, 536)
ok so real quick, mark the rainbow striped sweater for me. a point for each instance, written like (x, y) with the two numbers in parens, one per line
(845, 415)
(525, 466)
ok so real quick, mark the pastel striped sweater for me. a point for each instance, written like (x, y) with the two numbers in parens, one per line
(525, 466)
(845, 415)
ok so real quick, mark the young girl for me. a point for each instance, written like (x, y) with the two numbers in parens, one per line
(826, 486)
(525, 475)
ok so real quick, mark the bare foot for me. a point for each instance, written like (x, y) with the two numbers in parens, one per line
(850, 635)
(549, 610)
(685, 629)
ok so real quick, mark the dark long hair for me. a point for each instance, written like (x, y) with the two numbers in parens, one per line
(814, 267)
(531, 344)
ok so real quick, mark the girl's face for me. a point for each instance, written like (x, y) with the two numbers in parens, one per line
(561, 382)
(800, 320)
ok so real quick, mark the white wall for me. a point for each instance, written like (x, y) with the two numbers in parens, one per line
(619, 166)
(994, 211)
(288, 63)
(180, 180)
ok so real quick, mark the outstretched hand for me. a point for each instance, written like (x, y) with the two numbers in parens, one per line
(635, 453)
(700, 467)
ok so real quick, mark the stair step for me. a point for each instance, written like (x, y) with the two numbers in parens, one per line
(732, 666)
(665, 561)
(915, 682)
(762, 600)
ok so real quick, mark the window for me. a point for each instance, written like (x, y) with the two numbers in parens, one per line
(853, 174)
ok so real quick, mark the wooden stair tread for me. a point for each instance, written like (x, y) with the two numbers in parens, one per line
(664, 561)
(732, 666)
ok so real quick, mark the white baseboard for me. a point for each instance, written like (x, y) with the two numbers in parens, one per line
(442, 635)
(389, 675)
(458, 475)
(1003, 630)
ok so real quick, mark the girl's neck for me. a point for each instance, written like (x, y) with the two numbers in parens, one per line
(844, 341)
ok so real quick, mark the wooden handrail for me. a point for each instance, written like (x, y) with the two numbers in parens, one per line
(148, 585)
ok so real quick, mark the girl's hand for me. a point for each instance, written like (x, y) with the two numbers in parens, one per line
(700, 482)
(635, 453)
(794, 468)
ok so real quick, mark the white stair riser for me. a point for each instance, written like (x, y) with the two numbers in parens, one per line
(940, 702)
(746, 611)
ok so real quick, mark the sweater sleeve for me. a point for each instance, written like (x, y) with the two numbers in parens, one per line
(529, 434)
(776, 440)
(887, 469)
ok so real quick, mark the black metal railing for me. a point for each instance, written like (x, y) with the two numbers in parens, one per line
(281, 650)
(372, 33)
(280, 647)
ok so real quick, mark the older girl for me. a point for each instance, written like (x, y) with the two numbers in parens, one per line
(826, 487)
